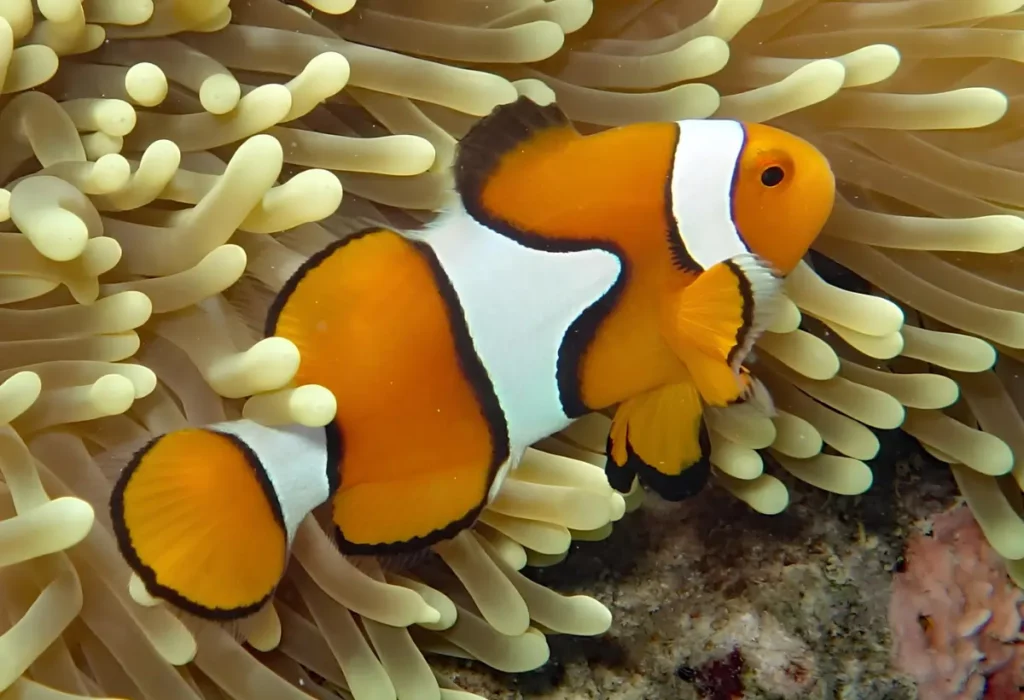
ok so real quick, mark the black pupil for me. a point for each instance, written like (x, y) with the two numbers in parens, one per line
(772, 176)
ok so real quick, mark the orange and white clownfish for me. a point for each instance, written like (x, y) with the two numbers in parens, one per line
(633, 268)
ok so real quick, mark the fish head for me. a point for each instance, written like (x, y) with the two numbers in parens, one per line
(783, 193)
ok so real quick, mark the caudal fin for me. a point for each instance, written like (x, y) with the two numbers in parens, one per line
(713, 323)
(205, 516)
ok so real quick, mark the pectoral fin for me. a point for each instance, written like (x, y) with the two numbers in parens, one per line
(660, 437)
(713, 323)
(755, 394)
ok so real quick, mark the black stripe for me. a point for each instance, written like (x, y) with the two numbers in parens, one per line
(578, 340)
(335, 442)
(475, 374)
(147, 574)
(681, 257)
(620, 476)
(747, 294)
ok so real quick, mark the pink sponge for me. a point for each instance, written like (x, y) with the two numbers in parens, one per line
(956, 616)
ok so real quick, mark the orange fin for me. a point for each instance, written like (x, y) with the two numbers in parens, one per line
(514, 129)
(713, 323)
(379, 323)
(398, 517)
(289, 313)
(660, 437)
(205, 516)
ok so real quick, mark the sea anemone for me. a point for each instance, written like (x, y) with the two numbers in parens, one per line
(150, 147)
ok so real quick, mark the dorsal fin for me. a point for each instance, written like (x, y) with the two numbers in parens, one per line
(509, 127)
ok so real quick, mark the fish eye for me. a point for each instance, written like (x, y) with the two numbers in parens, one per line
(772, 176)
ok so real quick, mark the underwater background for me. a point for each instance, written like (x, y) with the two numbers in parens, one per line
(160, 158)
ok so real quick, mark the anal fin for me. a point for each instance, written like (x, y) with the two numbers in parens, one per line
(410, 514)
(660, 437)
(713, 323)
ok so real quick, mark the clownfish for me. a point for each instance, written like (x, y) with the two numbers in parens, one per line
(633, 268)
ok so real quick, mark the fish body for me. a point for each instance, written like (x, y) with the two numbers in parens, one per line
(436, 342)
(633, 269)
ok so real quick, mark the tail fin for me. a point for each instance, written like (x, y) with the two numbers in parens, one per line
(713, 323)
(206, 516)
